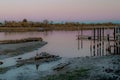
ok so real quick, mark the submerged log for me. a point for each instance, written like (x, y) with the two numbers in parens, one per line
(20, 41)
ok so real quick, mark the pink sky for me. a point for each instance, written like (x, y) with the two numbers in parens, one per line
(60, 10)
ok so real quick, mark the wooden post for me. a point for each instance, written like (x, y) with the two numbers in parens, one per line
(102, 41)
(91, 45)
(81, 38)
(108, 39)
(94, 31)
(78, 43)
(114, 41)
(97, 41)
(78, 38)
(119, 40)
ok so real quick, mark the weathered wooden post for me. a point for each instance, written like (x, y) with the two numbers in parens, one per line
(81, 38)
(94, 31)
(78, 38)
(114, 33)
(102, 41)
(91, 43)
(97, 41)
(78, 42)
(108, 39)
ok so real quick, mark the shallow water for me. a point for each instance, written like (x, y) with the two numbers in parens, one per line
(62, 43)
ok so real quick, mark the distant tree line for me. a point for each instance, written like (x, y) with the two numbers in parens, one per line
(24, 23)
(50, 24)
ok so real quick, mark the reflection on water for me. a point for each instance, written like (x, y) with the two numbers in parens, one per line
(61, 43)
(37, 66)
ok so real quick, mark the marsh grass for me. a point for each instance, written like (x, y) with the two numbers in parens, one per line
(3, 70)
(73, 75)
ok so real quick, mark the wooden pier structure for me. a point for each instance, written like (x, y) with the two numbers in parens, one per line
(101, 42)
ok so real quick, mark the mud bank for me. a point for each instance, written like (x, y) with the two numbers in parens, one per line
(10, 50)
(88, 68)
(78, 68)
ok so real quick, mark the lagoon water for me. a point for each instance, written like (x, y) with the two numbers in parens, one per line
(62, 43)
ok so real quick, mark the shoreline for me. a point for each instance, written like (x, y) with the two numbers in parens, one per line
(77, 68)
(57, 28)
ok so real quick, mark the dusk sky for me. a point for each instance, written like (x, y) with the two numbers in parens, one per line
(61, 10)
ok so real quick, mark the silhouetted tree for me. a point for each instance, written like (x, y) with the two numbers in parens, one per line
(25, 23)
(25, 20)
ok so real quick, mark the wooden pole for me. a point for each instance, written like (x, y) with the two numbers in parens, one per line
(78, 44)
(114, 41)
(94, 31)
(102, 41)
(91, 44)
(108, 39)
(78, 38)
(97, 41)
(81, 39)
